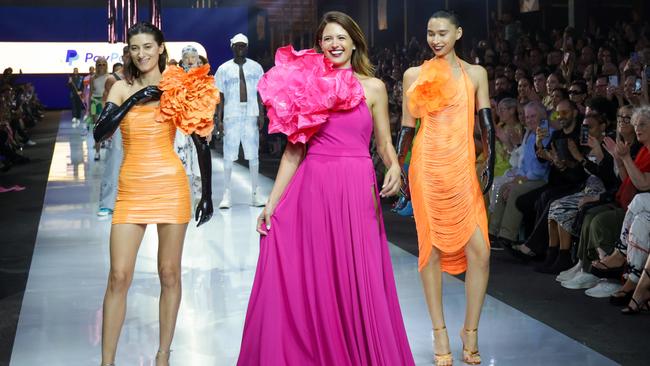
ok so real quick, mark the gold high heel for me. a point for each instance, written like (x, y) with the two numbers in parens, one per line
(471, 357)
(446, 359)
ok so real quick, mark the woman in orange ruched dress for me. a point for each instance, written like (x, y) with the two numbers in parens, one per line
(446, 194)
(153, 187)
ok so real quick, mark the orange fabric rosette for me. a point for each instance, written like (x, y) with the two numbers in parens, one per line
(188, 100)
(433, 90)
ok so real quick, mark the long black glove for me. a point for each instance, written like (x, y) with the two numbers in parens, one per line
(204, 209)
(487, 138)
(111, 116)
(404, 142)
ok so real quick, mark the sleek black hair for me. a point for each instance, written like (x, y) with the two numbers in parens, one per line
(132, 71)
(447, 14)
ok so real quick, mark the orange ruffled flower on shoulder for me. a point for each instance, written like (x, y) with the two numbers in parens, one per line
(188, 99)
(432, 91)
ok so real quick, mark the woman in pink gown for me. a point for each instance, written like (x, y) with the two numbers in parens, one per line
(324, 292)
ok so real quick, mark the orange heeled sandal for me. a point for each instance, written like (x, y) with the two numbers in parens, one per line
(470, 357)
(446, 359)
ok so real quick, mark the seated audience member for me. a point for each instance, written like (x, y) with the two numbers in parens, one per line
(635, 174)
(578, 94)
(509, 132)
(595, 239)
(631, 250)
(563, 212)
(566, 177)
(531, 173)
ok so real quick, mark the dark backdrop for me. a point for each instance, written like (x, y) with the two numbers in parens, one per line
(211, 27)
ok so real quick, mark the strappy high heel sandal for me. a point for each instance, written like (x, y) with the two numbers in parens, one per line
(470, 357)
(642, 306)
(446, 359)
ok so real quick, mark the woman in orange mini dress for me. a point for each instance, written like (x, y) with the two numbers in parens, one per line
(153, 187)
(446, 194)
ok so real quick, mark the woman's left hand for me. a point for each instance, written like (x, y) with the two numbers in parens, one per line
(203, 211)
(392, 182)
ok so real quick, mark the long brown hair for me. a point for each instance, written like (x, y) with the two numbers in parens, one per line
(360, 60)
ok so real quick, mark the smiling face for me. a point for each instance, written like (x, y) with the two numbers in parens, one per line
(442, 35)
(532, 117)
(624, 121)
(145, 51)
(566, 115)
(337, 45)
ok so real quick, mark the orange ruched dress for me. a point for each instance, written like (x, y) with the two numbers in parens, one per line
(153, 187)
(446, 195)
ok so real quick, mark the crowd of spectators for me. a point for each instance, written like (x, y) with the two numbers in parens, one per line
(564, 194)
(20, 110)
(572, 125)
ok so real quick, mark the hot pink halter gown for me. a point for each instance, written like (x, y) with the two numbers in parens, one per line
(324, 292)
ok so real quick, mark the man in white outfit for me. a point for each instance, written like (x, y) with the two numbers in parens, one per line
(240, 115)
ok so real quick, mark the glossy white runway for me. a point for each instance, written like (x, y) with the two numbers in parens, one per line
(60, 321)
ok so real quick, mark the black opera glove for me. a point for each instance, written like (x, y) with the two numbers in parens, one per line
(111, 116)
(204, 209)
(404, 141)
(487, 138)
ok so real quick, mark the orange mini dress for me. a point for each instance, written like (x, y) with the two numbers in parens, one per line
(446, 195)
(153, 187)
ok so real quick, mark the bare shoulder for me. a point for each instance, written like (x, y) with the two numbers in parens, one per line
(411, 74)
(374, 89)
(120, 91)
(373, 84)
(476, 71)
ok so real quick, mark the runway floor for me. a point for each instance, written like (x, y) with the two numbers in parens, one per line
(60, 319)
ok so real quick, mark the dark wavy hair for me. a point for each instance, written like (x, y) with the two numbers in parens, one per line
(131, 71)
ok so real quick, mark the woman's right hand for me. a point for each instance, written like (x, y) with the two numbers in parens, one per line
(264, 220)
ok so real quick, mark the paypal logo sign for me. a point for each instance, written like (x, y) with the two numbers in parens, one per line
(62, 57)
(71, 56)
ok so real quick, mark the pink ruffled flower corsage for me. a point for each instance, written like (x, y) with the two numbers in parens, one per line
(302, 89)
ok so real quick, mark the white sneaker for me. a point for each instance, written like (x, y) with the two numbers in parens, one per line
(225, 201)
(580, 281)
(604, 288)
(256, 199)
(569, 273)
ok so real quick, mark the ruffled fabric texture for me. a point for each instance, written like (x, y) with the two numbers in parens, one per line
(302, 89)
(433, 90)
(188, 99)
